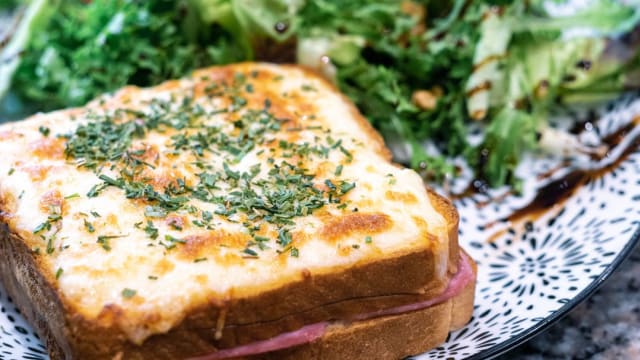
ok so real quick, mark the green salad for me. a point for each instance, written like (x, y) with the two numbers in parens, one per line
(420, 71)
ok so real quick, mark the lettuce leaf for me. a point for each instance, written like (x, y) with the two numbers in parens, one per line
(34, 18)
(251, 22)
(87, 49)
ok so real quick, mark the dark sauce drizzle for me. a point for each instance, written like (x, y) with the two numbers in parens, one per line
(556, 191)
(561, 189)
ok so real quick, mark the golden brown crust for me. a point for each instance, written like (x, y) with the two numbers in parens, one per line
(32, 292)
(446, 208)
(336, 228)
(376, 141)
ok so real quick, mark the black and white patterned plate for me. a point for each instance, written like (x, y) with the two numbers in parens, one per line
(530, 271)
(534, 270)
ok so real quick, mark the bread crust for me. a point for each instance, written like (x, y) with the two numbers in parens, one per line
(33, 293)
(375, 139)
(446, 208)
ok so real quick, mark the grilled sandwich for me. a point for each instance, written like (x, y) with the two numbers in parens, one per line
(247, 211)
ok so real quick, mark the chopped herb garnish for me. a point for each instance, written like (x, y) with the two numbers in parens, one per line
(250, 252)
(50, 248)
(53, 217)
(43, 226)
(367, 239)
(345, 187)
(230, 173)
(89, 226)
(284, 237)
(104, 240)
(200, 260)
(171, 241)
(95, 190)
(59, 273)
(11, 171)
(392, 179)
(128, 293)
(44, 130)
(294, 252)
(110, 181)
(72, 196)
(154, 212)
(275, 195)
(346, 153)
(151, 230)
(330, 185)
(152, 277)
(238, 102)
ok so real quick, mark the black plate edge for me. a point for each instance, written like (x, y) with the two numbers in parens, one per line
(543, 325)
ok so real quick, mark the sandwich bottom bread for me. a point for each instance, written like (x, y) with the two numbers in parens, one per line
(245, 212)
(392, 336)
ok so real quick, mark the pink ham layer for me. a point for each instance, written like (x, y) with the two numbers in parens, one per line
(309, 333)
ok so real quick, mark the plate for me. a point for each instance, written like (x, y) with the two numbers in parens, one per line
(534, 269)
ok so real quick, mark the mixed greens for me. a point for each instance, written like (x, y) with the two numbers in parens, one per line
(420, 71)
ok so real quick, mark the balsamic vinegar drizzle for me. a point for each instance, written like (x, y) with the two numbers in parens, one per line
(561, 189)
(622, 143)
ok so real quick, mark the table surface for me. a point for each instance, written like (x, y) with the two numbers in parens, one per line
(606, 326)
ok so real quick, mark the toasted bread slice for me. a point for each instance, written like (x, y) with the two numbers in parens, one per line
(193, 211)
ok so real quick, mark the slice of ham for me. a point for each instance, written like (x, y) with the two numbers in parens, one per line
(305, 334)
(457, 283)
(309, 333)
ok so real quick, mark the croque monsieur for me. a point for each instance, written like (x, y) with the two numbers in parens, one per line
(248, 211)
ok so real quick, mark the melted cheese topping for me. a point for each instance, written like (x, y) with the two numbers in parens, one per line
(109, 251)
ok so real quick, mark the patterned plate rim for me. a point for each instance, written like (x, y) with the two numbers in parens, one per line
(544, 324)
